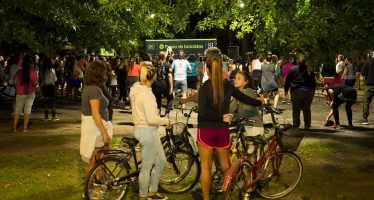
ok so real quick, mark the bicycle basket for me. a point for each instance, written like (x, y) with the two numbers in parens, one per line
(179, 134)
(290, 139)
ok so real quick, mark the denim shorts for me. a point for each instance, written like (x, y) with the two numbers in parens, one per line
(180, 84)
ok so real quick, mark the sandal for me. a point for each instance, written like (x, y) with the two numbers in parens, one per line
(13, 130)
(25, 130)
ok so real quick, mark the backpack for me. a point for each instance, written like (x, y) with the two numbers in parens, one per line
(277, 71)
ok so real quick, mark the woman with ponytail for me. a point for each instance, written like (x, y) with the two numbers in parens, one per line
(213, 119)
(146, 121)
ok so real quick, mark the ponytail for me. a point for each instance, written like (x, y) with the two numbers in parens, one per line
(147, 72)
(217, 84)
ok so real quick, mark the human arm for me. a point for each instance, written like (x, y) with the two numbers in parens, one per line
(344, 74)
(287, 83)
(237, 94)
(95, 110)
(192, 98)
(328, 116)
(170, 80)
(150, 111)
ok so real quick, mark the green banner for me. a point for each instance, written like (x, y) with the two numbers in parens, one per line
(190, 46)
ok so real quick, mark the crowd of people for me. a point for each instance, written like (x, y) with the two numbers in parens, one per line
(224, 89)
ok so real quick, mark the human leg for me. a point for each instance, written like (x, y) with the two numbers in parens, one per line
(95, 155)
(158, 166)
(29, 100)
(223, 158)
(276, 98)
(206, 168)
(296, 108)
(18, 106)
(149, 153)
(306, 104)
(265, 95)
(348, 110)
(369, 93)
(335, 109)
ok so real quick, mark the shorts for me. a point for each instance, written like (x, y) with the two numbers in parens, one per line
(191, 82)
(331, 81)
(214, 137)
(180, 84)
(24, 102)
(272, 90)
(75, 83)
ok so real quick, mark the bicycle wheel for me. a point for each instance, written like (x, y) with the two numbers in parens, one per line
(282, 175)
(100, 183)
(181, 172)
(242, 175)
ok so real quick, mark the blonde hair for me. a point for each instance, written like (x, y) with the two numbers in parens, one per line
(214, 64)
(147, 72)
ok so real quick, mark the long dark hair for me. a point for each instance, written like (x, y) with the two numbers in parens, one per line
(47, 64)
(26, 66)
(214, 63)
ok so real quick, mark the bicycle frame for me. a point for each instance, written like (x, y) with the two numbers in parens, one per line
(263, 162)
(125, 156)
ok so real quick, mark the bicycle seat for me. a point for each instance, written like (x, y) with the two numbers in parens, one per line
(132, 142)
(268, 125)
(255, 139)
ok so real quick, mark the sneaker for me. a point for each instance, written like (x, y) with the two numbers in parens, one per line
(13, 130)
(364, 121)
(276, 110)
(157, 196)
(25, 130)
(55, 119)
(46, 119)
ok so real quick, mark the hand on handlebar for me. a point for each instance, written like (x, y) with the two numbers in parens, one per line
(261, 98)
(182, 100)
(227, 117)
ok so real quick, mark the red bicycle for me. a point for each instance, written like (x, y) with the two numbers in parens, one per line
(271, 170)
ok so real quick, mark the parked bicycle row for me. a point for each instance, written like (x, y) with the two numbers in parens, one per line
(171, 162)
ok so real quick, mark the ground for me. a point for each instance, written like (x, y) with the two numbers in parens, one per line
(44, 163)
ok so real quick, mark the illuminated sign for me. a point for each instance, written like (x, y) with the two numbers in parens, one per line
(190, 46)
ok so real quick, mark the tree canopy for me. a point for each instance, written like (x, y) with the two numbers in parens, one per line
(318, 29)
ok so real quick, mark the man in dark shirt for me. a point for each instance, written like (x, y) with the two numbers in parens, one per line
(367, 71)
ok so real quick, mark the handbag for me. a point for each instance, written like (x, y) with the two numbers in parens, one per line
(9, 91)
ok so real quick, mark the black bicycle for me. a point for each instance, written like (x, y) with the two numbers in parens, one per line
(182, 171)
(116, 170)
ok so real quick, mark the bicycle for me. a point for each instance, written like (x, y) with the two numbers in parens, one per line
(178, 145)
(110, 178)
(270, 170)
(182, 139)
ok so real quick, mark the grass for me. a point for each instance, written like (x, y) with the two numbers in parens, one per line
(42, 167)
(47, 175)
(47, 167)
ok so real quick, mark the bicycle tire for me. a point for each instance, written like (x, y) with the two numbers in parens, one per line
(242, 175)
(274, 186)
(107, 169)
(181, 172)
